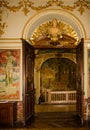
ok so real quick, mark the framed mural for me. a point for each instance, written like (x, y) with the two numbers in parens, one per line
(10, 75)
(58, 74)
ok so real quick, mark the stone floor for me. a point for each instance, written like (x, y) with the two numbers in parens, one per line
(54, 117)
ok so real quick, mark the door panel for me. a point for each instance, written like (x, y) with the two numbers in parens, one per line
(28, 80)
(80, 80)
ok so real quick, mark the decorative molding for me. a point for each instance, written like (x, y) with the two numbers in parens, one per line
(26, 5)
(3, 25)
(11, 39)
(55, 32)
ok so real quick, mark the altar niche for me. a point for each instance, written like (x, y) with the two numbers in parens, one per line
(57, 74)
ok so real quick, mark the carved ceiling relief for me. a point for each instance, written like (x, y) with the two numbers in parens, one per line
(55, 33)
(27, 5)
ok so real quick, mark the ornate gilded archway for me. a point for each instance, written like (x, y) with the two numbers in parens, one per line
(55, 33)
(67, 33)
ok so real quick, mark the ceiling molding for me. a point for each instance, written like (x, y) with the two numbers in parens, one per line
(27, 5)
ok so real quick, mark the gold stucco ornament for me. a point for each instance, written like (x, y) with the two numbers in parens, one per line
(55, 32)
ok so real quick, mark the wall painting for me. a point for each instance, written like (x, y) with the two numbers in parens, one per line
(10, 75)
(58, 74)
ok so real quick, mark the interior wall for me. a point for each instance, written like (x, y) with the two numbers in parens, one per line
(13, 89)
(16, 14)
(18, 20)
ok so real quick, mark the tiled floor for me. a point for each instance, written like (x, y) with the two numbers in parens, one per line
(54, 117)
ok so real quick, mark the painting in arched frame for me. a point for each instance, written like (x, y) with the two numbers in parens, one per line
(58, 74)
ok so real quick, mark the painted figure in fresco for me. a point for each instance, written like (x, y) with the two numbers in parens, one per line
(9, 68)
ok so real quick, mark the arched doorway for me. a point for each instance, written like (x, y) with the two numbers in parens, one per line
(37, 36)
(79, 80)
(58, 75)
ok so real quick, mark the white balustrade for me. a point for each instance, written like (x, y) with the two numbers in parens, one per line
(60, 96)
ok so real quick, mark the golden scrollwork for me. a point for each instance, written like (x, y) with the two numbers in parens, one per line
(54, 32)
(25, 5)
(21, 5)
(81, 5)
(3, 25)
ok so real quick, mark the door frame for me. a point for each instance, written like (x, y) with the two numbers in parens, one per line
(80, 112)
(28, 81)
(80, 81)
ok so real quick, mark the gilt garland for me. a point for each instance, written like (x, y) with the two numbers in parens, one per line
(26, 5)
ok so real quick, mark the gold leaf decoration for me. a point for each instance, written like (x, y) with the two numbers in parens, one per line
(81, 5)
(65, 28)
(2, 27)
(25, 10)
(63, 34)
(25, 5)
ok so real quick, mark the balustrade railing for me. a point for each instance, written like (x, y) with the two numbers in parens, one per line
(60, 96)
